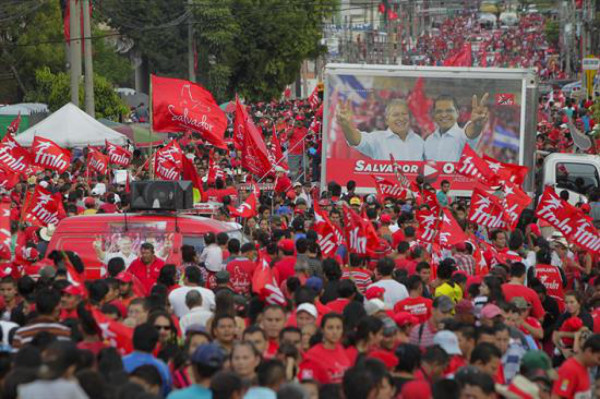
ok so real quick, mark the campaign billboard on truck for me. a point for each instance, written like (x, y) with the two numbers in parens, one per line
(423, 117)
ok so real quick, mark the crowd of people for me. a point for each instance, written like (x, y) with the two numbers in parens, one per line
(512, 314)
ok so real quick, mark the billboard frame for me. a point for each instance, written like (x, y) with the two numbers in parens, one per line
(528, 111)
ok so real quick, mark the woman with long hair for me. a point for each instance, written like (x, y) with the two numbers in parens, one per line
(329, 359)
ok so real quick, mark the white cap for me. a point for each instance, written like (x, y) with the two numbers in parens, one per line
(308, 308)
(374, 306)
(448, 341)
(44, 184)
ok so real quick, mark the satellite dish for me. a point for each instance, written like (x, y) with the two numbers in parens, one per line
(582, 141)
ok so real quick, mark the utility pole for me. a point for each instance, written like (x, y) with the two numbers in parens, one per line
(75, 49)
(191, 47)
(87, 60)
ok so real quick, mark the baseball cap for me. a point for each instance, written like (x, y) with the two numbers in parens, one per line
(308, 308)
(385, 218)
(443, 303)
(464, 306)
(90, 201)
(389, 327)
(490, 311)
(374, 306)
(73, 290)
(520, 387)
(538, 360)
(210, 355)
(124, 277)
(374, 292)
(297, 184)
(286, 245)
(448, 341)
(387, 358)
(520, 303)
(355, 201)
(314, 283)
(405, 318)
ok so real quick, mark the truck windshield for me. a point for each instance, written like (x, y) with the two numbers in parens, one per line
(578, 177)
(197, 241)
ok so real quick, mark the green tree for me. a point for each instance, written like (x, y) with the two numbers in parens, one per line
(552, 32)
(29, 40)
(251, 47)
(54, 89)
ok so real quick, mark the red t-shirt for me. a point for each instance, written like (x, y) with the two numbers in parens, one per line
(419, 307)
(240, 272)
(338, 305)
(511, 291)
(285, 268)
(329, 364)
(147, 274)
(573, 381)
(407, 264)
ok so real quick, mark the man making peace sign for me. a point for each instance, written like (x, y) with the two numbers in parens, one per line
(448, 140)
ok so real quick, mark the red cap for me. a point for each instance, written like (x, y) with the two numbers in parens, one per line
(405, 318)
(89, 201)
(73, 290)
(586, 208)
(286, 245)
(461, 246)
(300, 118)
(374, 292)
(124, 277)
(385, 218)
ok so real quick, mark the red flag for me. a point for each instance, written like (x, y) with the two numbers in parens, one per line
(49, 155)
(180, 105)
(247, 209)
(255, 156)
(430, 199)
(392, 15)
(450, 232)
(584, 234)
(463, 58)
(264, 283)
(214, 171)
(77, 278)
(13, 128)
(410, 186)
(165, 169)
(515, 201)
(471, 165)
(276, 151)
(46, 208)
(360, 233)
(117, 334)
(557, 212)
(13, 157)
(314, 99)
(8, 180)
(190, 173)
(507, 171)
(329, 236)
(427, 229)
(172, 152)
(386, 188)
(97, 161)
(118, 155)
(486, 210)
(483, 59)
(420, 106)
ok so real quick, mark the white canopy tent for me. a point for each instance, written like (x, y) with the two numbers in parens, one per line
(71, 127)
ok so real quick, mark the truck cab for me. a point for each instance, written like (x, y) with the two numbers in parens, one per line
(576, 173)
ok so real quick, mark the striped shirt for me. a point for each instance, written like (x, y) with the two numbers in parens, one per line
(25, 334)
(361, 277)
(422, 335)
